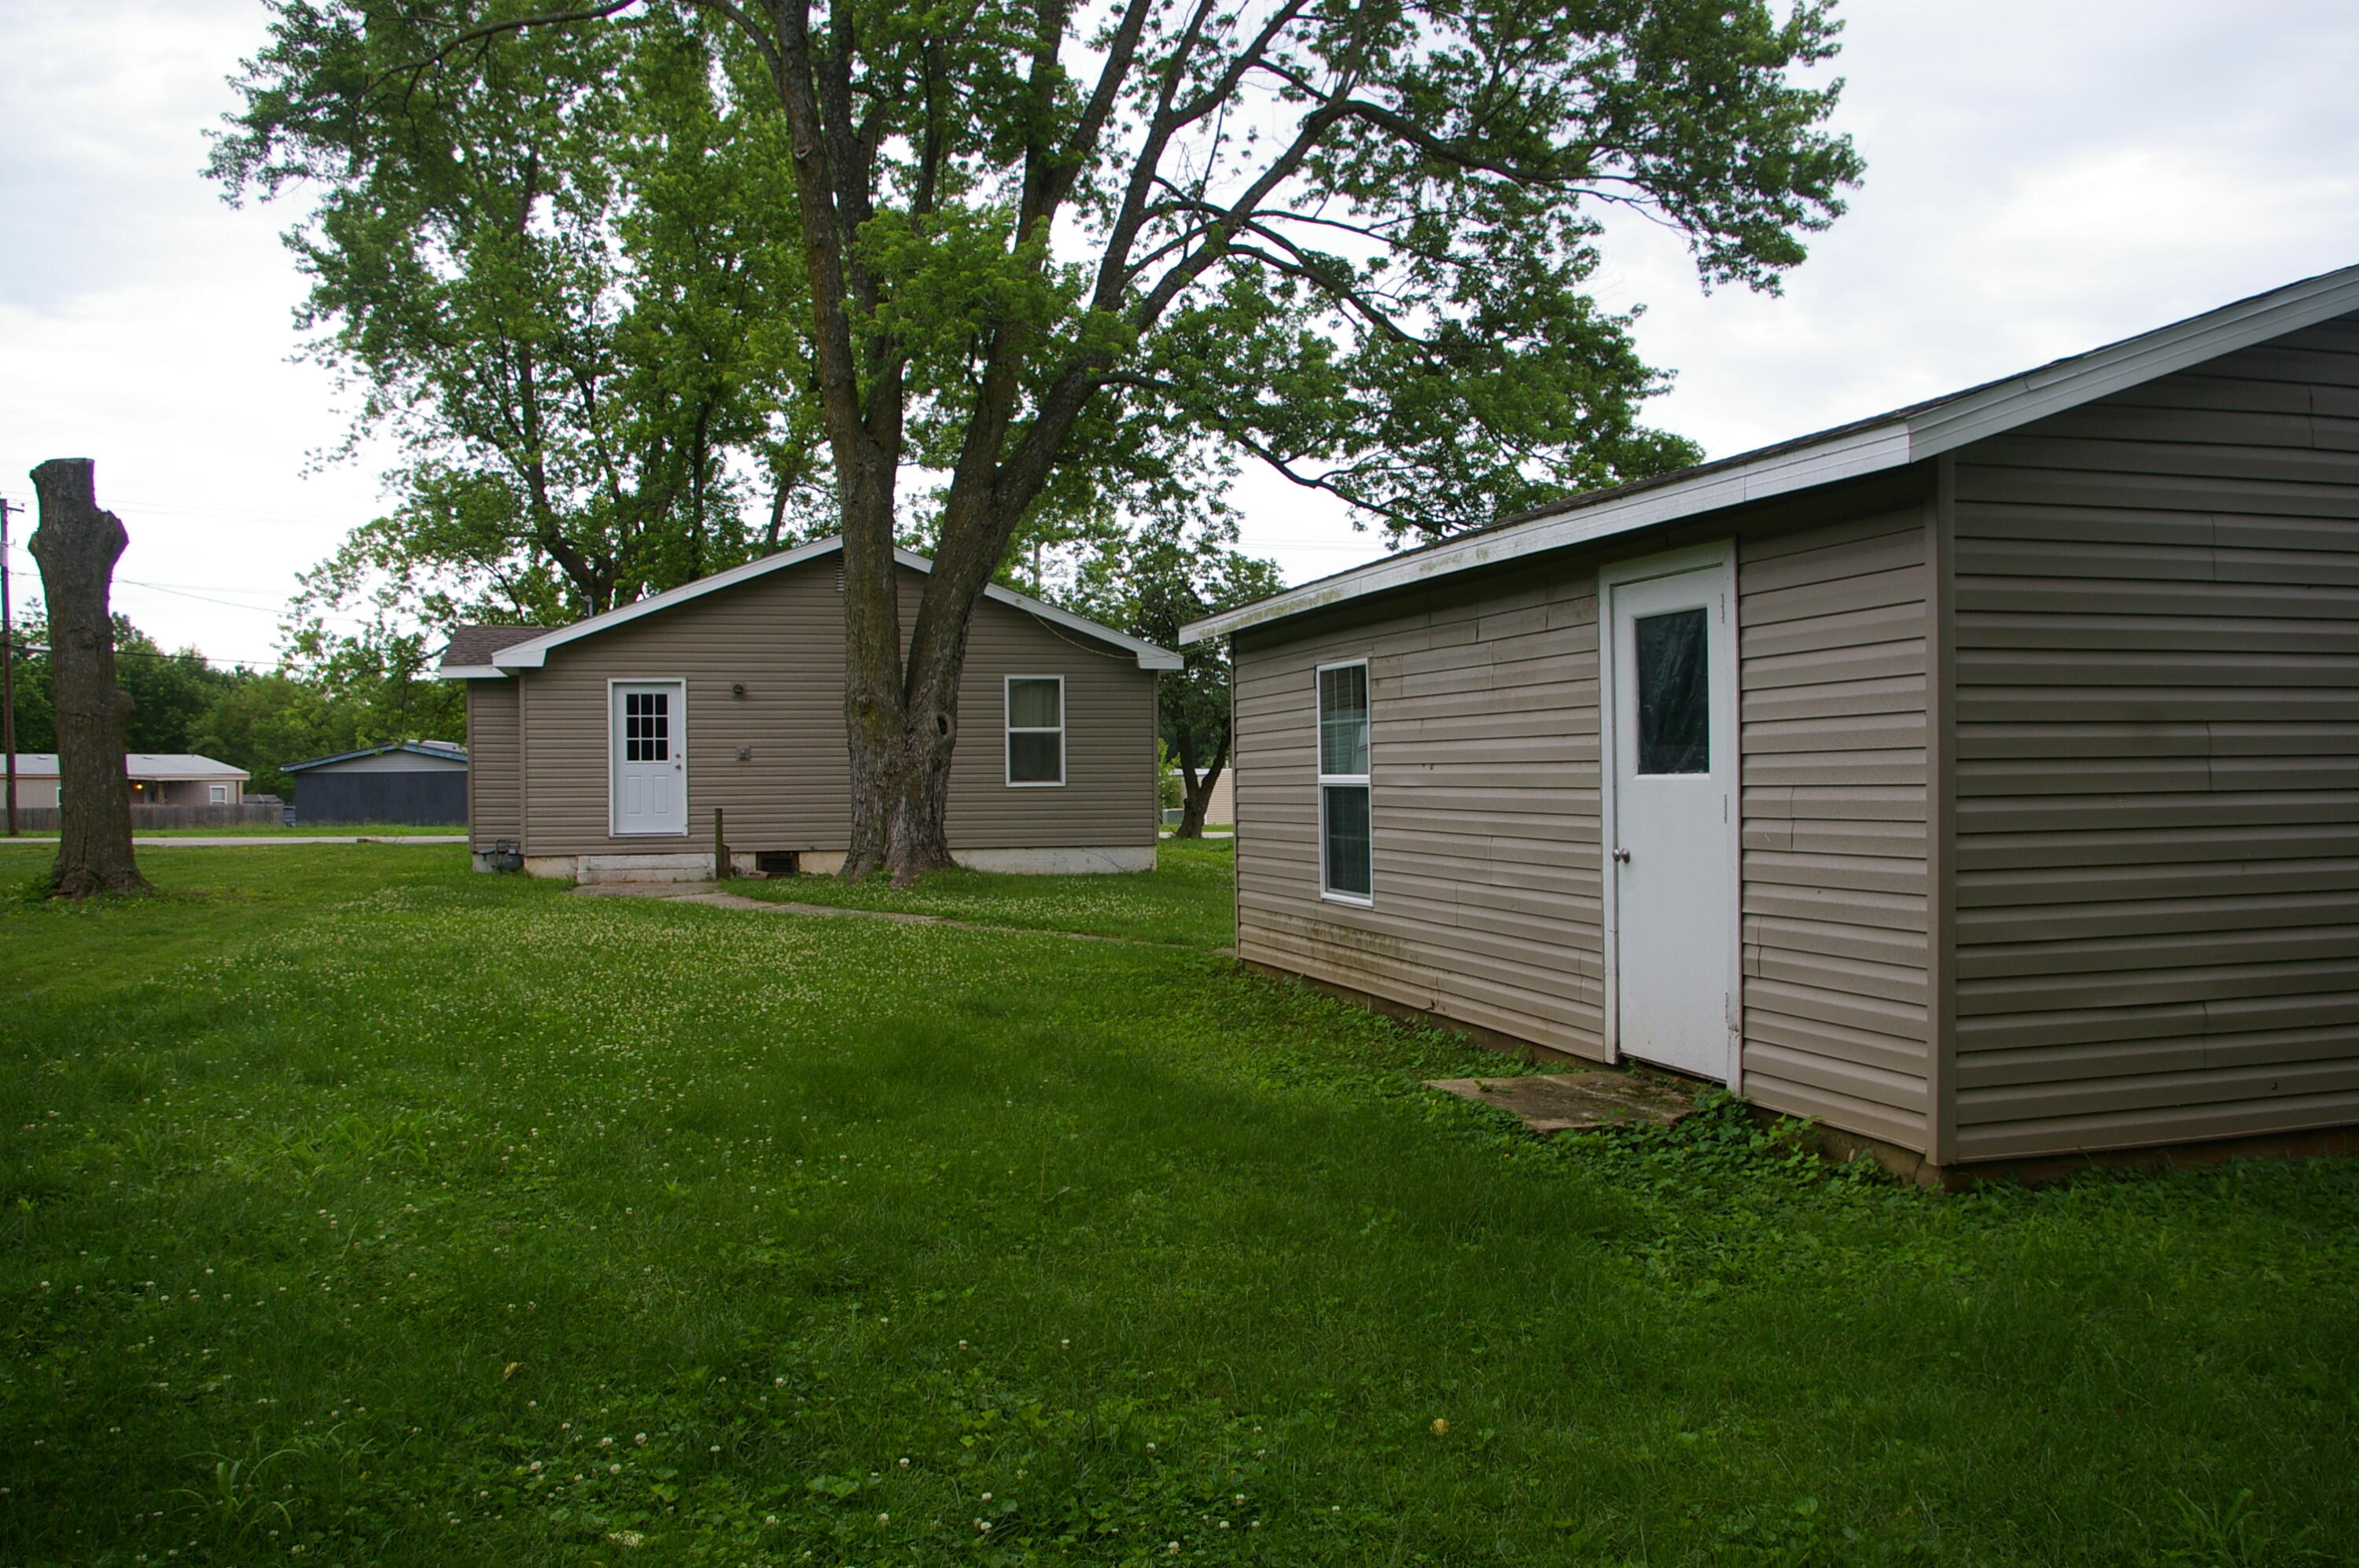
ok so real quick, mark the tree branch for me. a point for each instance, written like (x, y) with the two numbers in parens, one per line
(494, 29)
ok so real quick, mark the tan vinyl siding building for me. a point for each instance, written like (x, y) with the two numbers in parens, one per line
(2045, 799)
(749, 667)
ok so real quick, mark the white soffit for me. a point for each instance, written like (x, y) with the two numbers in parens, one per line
(533, 653)
(469, 672)
(1888, 442)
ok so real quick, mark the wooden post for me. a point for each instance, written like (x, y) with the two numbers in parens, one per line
(721, 872)
(7, 672)
(77, 546)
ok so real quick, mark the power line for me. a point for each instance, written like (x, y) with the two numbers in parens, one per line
(26, 649)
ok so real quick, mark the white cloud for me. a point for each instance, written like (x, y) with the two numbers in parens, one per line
(2042, 178)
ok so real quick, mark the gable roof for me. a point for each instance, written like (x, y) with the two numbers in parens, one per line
(157, 766)
(531, 652)
(1888, 440)
(471, 648)
(448, 751)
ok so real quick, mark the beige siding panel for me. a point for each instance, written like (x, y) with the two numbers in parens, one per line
(1832, 656)
(495, 763)
(1484, 750)
(2158, 733)
(1485, 788)
(781, 636)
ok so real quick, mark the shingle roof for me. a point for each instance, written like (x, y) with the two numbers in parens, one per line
(449, 750)
(474, 645)
(162, 765)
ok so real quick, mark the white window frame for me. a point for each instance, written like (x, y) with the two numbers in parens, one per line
(217, 794)
(1008, 732)
(614, 796)
(1365, 780)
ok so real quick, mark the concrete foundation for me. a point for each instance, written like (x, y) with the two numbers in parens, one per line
(697, 865)
(1112, 861)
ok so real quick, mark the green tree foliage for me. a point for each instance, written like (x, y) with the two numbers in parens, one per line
(1154, 581)
(335, 694)
(567, 279)
(171, 692)
(1053, 252)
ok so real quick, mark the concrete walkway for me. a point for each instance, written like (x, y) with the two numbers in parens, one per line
(137, 841)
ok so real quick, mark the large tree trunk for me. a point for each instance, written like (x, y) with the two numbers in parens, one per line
(78, 546)
(902, 713)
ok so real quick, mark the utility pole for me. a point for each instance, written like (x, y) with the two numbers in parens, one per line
(7, 672)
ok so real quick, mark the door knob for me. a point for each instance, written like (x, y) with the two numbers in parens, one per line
(1622, 856)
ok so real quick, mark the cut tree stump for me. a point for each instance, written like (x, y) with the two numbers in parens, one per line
(78, 544)
(1575, 1102)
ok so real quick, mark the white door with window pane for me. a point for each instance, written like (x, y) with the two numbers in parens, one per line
(645, 729)
(1670, 738)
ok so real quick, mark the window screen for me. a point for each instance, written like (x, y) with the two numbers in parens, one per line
(1348, 842)
(1035, 730)
(1345, 843)
(647, 726)
(1674, 692)
(1343, 720)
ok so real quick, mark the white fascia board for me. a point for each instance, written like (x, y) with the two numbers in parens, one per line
(2052, 390)
(533, 653)
(469, 672)
(1959, 421)
(1149, 656)
(1848, 456)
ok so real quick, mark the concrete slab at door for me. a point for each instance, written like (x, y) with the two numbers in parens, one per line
(1668, 688)
(646, 733)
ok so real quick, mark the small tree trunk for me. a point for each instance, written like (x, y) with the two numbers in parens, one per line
(1195, 796)
(78, 546)
(1196, 789)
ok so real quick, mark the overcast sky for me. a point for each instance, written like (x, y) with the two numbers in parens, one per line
(2043, 176)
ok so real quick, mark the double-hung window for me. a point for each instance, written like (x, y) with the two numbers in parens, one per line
(1345, 869)
(1036, 730)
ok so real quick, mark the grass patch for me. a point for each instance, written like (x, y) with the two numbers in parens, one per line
(353, 1201)
(273, 830)
(1186, 900)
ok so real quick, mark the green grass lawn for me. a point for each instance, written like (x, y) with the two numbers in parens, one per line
(272, 830)
(354, 1202)
(1187, 900)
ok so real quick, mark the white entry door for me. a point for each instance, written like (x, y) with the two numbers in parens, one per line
(648, 788)
(1668, 680)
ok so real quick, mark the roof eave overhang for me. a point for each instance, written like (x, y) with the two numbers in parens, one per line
(533, 653)
(1986, 412)
(469, 672)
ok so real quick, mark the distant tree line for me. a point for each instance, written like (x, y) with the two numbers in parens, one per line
(353, 693)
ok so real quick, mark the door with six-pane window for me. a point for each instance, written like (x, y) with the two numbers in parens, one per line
(648, 781)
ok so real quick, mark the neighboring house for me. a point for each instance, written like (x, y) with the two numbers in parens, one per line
(416, 781)
(1220, 809)
(601, 750)
(1982, 778)
(157, 779)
